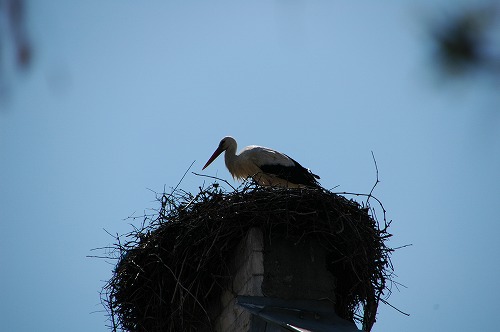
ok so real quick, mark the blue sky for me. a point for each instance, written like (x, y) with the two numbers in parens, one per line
(122, 97)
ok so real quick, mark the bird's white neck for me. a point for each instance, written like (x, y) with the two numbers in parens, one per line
(230, 158)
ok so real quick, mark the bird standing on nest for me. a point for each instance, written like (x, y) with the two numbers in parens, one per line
(266, 166)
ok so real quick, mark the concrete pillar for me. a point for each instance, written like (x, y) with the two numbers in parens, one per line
(248, 267)
(276, 268)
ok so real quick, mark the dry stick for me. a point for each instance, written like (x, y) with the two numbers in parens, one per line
(180, 273)
(376, 182)
(404, 246)
(383, 209)
(393, 307)
(216, 237)
(215, 178)
(102, 249)
(384, 212)
(358, 194)
(187, 290)
(165, 198)
(177, 186)
(183, 176)
(195, 198)
(112, 312)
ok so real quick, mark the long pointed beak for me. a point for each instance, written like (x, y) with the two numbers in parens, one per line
(214, 156)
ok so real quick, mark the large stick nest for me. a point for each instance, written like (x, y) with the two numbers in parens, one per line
(172, 269)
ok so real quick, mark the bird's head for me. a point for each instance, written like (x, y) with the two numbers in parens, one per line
(224, 144)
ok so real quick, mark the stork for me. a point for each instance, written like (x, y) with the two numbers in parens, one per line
(266, 166)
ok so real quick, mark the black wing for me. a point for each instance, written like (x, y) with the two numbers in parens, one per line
(294, 174)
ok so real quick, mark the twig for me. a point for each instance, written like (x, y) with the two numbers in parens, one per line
(182, 178)
(215, 178)
(185, 289)
(393, 307)
(401, 247)
(358, 194)
(184, 175)
(376, 182)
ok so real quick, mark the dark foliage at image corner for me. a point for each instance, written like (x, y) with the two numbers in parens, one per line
(172, 269)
